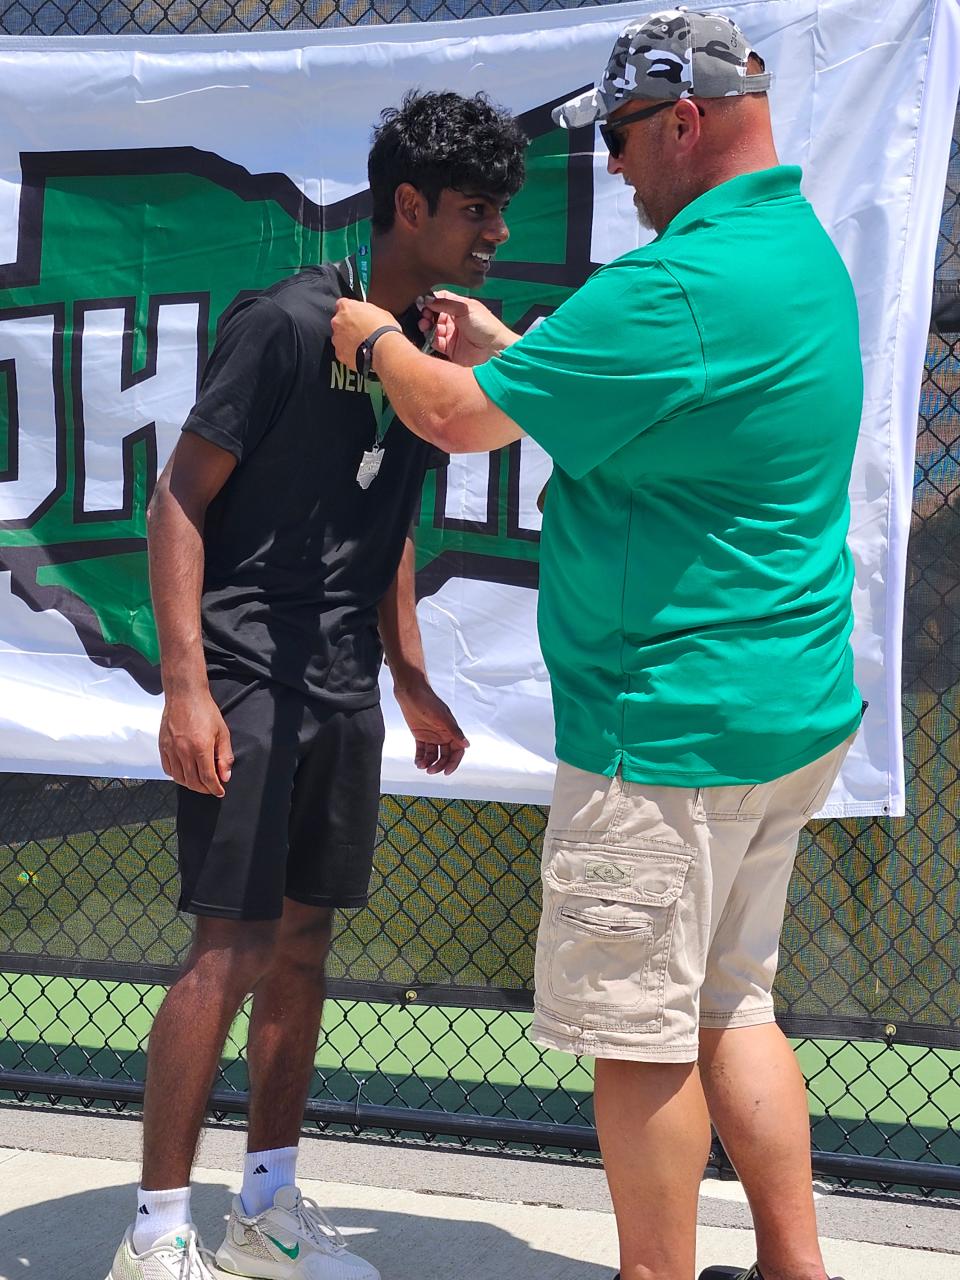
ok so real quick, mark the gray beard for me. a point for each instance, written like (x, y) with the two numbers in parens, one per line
(643, 214)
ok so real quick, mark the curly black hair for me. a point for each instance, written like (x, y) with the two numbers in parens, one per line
(439, 140)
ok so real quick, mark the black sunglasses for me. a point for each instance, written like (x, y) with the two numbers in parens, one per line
(611, 132)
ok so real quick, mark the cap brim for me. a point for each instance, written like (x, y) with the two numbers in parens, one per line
(582, 110)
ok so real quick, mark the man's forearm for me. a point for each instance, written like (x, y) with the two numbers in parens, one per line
(439, 401)
(399, 629)
(175, 548)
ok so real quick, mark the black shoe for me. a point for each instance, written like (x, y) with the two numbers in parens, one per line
(734, 1273)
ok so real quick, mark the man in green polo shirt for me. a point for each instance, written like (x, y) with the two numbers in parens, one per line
(700, 398)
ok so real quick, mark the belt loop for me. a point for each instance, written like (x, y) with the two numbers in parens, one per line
(698, 813)
(618, 789)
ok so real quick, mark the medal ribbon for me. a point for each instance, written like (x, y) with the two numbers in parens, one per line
(383, 411)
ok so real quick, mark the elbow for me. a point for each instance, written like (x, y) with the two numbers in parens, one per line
(457, 428)
(449, 409)
(442, 429)
(168, 507)
(155, 506)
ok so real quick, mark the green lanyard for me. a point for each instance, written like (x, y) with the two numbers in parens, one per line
(362, 257)
(382, 410)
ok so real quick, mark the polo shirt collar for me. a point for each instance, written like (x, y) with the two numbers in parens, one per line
(737, 193)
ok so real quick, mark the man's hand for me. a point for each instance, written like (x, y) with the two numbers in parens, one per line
(195, 745)
(464, 330)
(440, 740)
(352, 322)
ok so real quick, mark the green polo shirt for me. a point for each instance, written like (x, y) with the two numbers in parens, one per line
(700, 398)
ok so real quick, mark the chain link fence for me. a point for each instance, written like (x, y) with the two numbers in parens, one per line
(195, 17)
(430, 989)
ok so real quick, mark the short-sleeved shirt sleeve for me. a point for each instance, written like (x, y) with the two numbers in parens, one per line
(248, 377)
(622, 353)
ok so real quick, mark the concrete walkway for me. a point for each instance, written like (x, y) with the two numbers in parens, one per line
(67, 1185)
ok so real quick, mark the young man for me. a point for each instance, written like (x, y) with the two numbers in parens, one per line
(695, 615)
(282, 567)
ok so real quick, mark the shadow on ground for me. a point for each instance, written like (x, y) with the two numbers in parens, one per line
(74, 1238)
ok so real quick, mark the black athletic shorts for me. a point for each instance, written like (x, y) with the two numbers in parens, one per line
(299, 817)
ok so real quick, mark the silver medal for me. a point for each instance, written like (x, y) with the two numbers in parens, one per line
(369, 467)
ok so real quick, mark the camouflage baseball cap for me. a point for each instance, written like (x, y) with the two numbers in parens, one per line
(673, 54)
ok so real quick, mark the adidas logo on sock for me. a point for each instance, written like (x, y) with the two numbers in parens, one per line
(261, 1168)
(143, 1209)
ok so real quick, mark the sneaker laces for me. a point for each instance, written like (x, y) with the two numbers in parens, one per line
(196, 1262)
(318, 1227)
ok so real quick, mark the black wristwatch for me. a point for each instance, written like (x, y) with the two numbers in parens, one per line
(365, 349)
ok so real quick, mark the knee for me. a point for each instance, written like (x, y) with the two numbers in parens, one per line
(234, 954)
(303, 942)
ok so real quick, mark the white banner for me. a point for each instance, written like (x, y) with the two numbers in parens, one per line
(145, 181)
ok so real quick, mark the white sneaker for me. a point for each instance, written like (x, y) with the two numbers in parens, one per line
(178, 1255)
(295, 1240)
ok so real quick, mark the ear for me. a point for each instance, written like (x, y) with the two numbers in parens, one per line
(410, 206)
(686, 125)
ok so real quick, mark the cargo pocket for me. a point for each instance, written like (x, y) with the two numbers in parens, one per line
(608, 923)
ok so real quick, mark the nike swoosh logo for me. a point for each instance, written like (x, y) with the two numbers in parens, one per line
(292, 1254)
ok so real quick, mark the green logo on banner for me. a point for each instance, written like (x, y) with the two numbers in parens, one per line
(126, 261)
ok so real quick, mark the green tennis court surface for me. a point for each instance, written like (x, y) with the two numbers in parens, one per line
(864, 1098)
(455, 902)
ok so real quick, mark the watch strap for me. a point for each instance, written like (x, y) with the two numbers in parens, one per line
(365, 349)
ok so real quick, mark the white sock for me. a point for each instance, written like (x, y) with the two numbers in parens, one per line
(158, 1213)
(264, 1173)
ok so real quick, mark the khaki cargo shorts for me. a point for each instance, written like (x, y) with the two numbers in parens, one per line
(662, 908)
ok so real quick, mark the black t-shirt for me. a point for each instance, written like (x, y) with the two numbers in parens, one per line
(297, 554)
